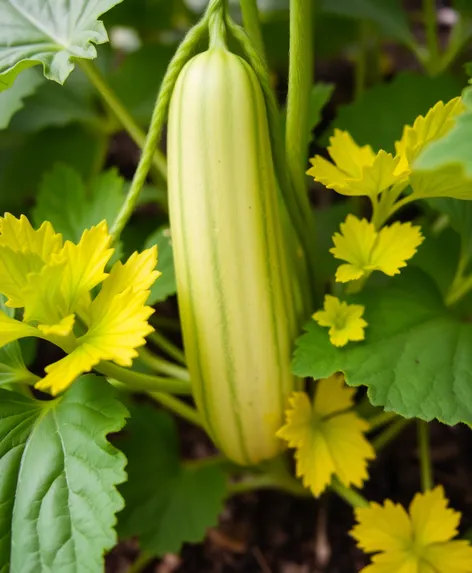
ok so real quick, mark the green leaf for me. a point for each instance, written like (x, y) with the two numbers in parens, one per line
(24, 160)
(389, 15)
(56, 106)
(165, 285)
(59, 474)
(12, 100)
(168, 502)
(50, 33)
(378, 116)
(319, 96)
(416, 358)
(12, 366)
(139, 77)
(65, 201)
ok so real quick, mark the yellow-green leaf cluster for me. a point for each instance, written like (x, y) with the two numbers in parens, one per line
(54, 283)
(328, 436)
(357, 170)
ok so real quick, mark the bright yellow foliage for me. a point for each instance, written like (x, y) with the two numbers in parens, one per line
(356, 170)
(328, 436)
(367, 250)
(418, 541)
(344, 320)
(53, 284)
(435, 124)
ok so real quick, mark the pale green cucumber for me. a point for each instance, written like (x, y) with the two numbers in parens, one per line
(234, 287)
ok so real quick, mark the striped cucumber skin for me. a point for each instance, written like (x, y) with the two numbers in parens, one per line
(234, 288)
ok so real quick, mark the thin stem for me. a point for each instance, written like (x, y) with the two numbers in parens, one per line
(389, 434)
(163, 366)
(351, 496)
(216, 26)
(252, 24)
(143, 560)
(139, 382)
(268, 481)
(425, 456)
(182, 55)
(429, 13)
(178, 407)
(460, 285)
(121, 113)
(167, 346)
(380, 420)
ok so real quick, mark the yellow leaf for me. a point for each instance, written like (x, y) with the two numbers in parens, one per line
(356, 170)
(344, 320)
(418, 541)
(367, 250)
(435, 124)
(382, 527)
(19, 235)
(328, 442)
(86, 263)
(117, 327)
(137, 273)
(395, 245)
(432, 520)
(12, 329)
(15, 266)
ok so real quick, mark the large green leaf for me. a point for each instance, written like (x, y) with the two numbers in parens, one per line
(12, 100)
(165, 285)
(59, 473)
(168, 502)
(71, 207)
(56, 106)
(378, 116)
(416, 359)
(50, 33)
(389, 15)
(24, 160)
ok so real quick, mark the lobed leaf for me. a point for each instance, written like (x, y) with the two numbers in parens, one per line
(51, 33)
(415, 360)
(59, 474)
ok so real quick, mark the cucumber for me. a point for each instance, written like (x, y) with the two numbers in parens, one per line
(234, 289)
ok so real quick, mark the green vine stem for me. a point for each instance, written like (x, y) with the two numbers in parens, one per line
(425, 456)
(177, 407)
(380, 420)
(167, 346)
(122, 114)
(461, 284)
(429, 13)
(252, 24)
(163, 366)
(389, 434)
(184, 52)
(142, 561)
(351, 496)
(139, 382)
